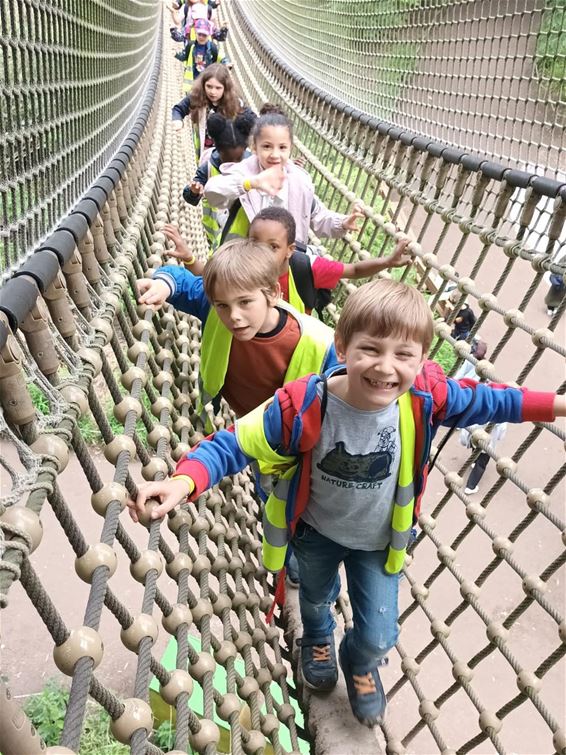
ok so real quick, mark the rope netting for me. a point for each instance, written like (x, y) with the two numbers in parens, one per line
(479, 666)
(486, 76)
(73, 77)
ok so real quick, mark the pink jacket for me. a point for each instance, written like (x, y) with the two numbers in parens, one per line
(308, 211)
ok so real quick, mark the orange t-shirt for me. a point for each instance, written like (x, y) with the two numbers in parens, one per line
(257, 368)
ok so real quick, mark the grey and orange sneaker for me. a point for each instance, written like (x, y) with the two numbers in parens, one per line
(365, 690)
(318, 666)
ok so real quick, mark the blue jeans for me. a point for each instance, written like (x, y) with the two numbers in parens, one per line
(373, 595)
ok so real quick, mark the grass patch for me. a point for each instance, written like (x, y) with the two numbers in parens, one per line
(46, 711)
(445, 356)
(86, 424)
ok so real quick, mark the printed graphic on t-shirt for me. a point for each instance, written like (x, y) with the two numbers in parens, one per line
(200, 63)
(367, 471)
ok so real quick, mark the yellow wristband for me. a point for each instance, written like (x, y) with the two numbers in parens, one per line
(247, 184)
(189, 263)
(187, 479)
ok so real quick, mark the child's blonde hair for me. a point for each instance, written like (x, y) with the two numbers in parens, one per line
(386, 308)
(241, 264)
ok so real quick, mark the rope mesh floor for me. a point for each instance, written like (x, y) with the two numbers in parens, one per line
(479, 666)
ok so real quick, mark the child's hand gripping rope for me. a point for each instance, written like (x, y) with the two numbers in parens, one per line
(169, 493)
(153, 293)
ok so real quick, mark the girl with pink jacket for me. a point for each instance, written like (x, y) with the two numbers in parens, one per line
(269, 178)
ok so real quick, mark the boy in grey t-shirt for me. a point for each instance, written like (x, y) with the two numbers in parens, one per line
(366, 426)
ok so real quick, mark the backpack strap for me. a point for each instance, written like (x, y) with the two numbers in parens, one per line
(324, 399)
(230, 220)
(302, 275)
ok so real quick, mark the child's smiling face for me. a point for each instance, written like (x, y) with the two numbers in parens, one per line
(379, 368)
(273, 146)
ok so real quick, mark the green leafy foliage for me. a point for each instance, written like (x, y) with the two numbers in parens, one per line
(39, 399)
(46, 711)
(164, 736)
(551, 49)
(96, 737)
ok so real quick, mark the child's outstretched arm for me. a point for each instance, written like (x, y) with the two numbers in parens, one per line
(400, 257)
(181, 250)
(218, 456)
(472, 403)
(177, 286)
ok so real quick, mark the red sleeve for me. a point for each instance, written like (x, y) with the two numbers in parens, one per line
(326, 273)
(538, 406)
(197, 472)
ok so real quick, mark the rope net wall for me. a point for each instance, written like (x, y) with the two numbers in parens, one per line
(73, 75)
(485, 76)
(472, 230)
(479, 664)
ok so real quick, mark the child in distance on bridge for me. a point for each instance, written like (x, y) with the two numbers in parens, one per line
(213, 92)
(305, 277)
(230, 139)
(243, 322)
(270, 178)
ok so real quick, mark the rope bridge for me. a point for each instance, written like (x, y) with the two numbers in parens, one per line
(479, 666)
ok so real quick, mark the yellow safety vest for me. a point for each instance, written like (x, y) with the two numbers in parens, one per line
(188, 73)
(309, 356)
(294, 298)
(237, 228)
(210, 217)
(251, 439)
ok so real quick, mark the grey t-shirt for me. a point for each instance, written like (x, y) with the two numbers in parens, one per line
(355, 466)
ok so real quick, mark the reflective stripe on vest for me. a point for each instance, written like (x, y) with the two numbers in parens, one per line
(309, 356)
(402, 519)
(196, 141)
(252, 441)
(294, 298)
(239, 227)
(275, 532)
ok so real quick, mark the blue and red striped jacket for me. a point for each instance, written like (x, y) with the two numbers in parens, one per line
(292, 425)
